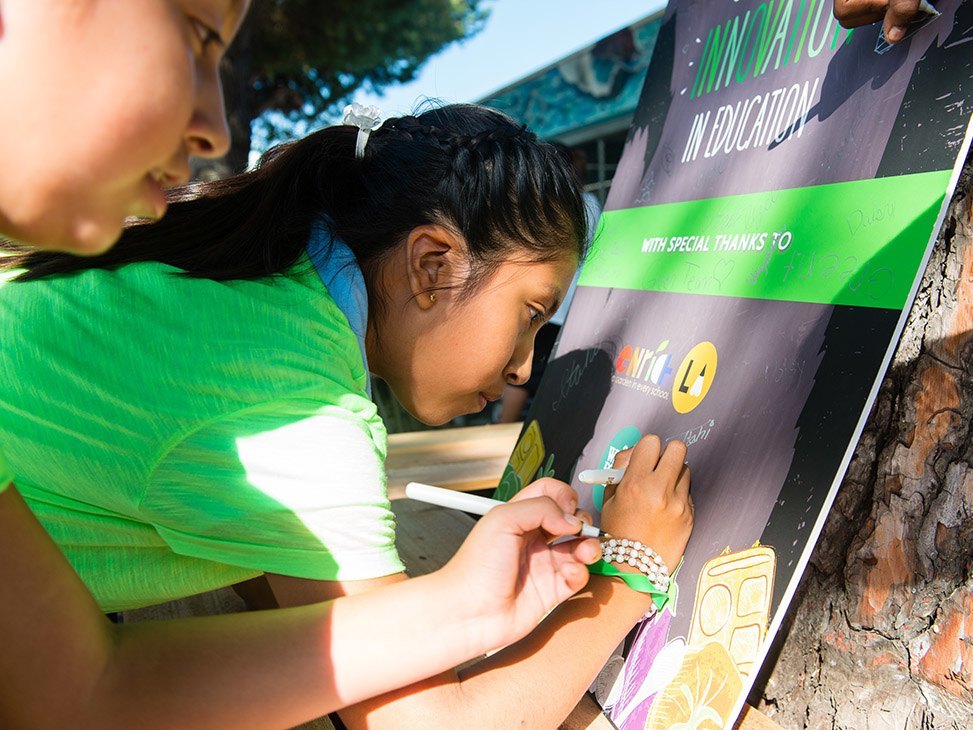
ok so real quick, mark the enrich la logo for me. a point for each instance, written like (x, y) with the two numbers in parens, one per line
(651, 371)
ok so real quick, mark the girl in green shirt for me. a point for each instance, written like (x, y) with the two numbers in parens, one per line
(229, 431)
(106, 101)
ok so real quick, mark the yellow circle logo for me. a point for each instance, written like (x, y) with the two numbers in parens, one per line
(694, 377)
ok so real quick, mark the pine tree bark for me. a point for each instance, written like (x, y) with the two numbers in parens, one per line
(880, 633)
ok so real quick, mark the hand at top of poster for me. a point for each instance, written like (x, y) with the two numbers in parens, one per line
(652, 503)
(897, 15)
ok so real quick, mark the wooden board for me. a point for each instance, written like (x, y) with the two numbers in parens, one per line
(427, 536)
(457, 458)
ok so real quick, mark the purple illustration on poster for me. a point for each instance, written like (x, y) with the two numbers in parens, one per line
(779, 191)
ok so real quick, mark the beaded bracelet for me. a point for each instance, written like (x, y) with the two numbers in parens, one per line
(653, 578)
(640, 556)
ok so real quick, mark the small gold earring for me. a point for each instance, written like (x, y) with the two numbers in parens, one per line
(432, 297)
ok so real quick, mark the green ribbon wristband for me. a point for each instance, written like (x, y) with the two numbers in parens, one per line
(636, 581)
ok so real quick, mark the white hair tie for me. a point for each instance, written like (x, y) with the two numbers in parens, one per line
(367, 119)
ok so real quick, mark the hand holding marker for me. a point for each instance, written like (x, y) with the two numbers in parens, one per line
(472, 503)
(898, 19)
(652, 509)
(477, 505)
(608, 477)
(894, 30)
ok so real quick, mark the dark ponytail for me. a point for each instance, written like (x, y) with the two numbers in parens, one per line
(463, 166)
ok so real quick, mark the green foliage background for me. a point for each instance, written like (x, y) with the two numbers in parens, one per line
(296, 63)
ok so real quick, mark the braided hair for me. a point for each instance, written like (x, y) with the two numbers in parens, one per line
(467, 167)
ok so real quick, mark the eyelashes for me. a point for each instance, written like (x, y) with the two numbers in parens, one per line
(536, 316)
(206, 34)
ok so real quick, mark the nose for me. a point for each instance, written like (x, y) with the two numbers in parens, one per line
(517, 371)
(208, 134)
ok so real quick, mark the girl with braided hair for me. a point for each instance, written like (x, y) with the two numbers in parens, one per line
(110, 98)
(224, 431)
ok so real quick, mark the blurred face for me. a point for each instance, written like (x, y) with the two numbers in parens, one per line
(452, 356)
(105, 100)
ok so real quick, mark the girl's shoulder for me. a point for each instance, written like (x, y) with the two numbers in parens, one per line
(290, 318)
(286, 324)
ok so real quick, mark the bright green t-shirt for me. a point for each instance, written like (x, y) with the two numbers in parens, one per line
(176, 435)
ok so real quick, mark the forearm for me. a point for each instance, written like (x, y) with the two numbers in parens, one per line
(402, 633)
(64, 664)
(535, 682)
(561, 659)
(283, 667)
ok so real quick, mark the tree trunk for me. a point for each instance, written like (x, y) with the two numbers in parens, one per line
(880, 633)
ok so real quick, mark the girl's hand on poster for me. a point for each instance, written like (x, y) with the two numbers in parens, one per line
(508, 576)
(897, 15)
(652, 503)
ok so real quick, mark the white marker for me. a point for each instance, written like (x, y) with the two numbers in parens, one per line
(608, 477)
(926, 7)
(472, 503)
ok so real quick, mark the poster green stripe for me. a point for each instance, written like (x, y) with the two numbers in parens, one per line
(854, 243)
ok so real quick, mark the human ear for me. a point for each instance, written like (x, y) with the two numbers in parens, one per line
(432, 253)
